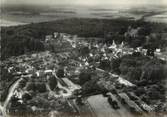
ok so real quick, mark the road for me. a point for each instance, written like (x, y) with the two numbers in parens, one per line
(2, 113)
(10, 94)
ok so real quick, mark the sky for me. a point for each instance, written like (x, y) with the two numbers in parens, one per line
(86, 2)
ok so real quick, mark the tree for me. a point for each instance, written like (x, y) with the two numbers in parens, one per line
(154, 71)
(84, 76)
(52, 82)
(60, 73)
(140, 91)
(134, 73)
(5, 75)
(84, 51)
(90, 87)
(22, 83)
(31, 86)
(41, 87)
(105, 65)
(136, 54)
(144, 31)
(115, 63)
(14, 101)
(150, 52)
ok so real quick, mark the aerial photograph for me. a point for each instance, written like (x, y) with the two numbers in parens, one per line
(83, 58)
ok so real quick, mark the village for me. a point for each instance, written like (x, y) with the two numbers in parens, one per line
(50, 81)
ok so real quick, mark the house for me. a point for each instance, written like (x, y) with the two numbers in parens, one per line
(121, 45)
(139, 49)
(55, 34)
(113, 46)
(48, 71)
(48, 37)
(73, 44)
(144, 51)
(158, 50)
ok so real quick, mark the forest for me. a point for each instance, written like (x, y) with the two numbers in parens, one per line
(18, 40)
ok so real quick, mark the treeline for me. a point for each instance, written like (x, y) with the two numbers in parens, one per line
(140, 69)
(148, 74)
(19, 40)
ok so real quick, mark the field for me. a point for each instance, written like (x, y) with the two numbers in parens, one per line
(34, 14)
(103, 109)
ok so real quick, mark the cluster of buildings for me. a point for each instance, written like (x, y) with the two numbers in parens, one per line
(39, 67)
(98, 51)
(59, 42)
(132, 32)
(47, 63)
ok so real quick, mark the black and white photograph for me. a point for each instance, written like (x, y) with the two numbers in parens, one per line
(83, 58)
